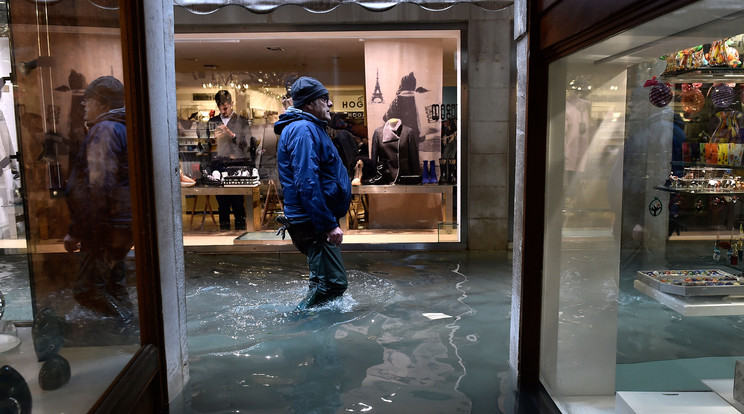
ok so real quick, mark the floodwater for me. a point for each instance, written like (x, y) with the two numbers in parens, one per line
(423, 332)
(415, 332)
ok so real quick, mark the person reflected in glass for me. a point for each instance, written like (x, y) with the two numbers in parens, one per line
(317, 189)
(231, 133)
(100, 204)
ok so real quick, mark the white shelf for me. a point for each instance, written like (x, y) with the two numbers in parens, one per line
(697, 305)
(725, 389)
(637, 402)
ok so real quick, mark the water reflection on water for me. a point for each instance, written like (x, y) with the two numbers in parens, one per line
(414, 333)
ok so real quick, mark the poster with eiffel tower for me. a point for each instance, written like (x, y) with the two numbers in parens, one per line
(404, 80)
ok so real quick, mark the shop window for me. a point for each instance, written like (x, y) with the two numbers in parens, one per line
(643, 216)
(70, 322)
(378, 81)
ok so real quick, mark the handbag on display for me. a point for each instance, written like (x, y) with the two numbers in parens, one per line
(382, 175)
(409, 179)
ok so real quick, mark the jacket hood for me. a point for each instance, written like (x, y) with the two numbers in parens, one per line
(116, 115)
(292, 115)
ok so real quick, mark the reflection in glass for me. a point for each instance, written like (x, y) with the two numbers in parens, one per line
(643, 178)
(65, 199)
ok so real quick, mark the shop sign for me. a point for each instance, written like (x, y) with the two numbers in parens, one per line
(349, 103)
(442, 112)
(355, 115)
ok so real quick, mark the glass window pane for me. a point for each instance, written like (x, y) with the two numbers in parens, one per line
(643, 217)
(66, 218)
(412, 197)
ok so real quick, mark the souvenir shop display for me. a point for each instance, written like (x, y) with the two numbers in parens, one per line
(694, 282)
(707, 158)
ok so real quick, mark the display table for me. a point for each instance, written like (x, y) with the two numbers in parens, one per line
(252, 201)
(725, 389)
(445, 190)
(636, 402)
(695, 305)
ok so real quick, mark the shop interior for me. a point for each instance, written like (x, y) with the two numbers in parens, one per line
(364, 81)
(642, 307)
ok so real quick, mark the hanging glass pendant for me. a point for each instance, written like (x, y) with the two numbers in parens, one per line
(692, 99)
(722, 95)
(661, 93)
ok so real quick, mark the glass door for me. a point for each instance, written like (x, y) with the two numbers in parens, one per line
(71, 321)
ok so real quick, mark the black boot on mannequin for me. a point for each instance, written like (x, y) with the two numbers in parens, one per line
(452, 175)
(443, 171)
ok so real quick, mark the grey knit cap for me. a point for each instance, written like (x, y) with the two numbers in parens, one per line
(306, 90)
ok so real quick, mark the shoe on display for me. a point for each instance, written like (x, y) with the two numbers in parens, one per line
(208, 179)
(425, 179)
(443, 171)
(433, 172)
(452, 176)
(187, 181)
(358, 173)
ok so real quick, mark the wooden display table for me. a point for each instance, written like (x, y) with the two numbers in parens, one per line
(445, 190)
(252, 204)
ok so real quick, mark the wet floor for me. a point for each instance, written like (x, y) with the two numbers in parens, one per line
(414, 333)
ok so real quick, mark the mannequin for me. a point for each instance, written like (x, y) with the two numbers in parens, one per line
(395, 145)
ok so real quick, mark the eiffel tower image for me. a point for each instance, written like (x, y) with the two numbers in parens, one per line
(377, 94)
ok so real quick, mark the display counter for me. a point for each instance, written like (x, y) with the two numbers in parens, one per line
(446, 191)
(695, 305)
(252, 198)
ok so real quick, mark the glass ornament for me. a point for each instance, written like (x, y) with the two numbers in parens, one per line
(661, 94)
(722, 95)
(692, 99)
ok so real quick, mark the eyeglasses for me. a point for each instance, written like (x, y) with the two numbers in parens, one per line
(326, 100)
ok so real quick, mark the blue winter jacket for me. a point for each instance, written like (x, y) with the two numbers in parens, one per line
(98, 186)
(314, 179)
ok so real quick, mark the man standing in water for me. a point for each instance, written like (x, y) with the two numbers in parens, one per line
(317, 189)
